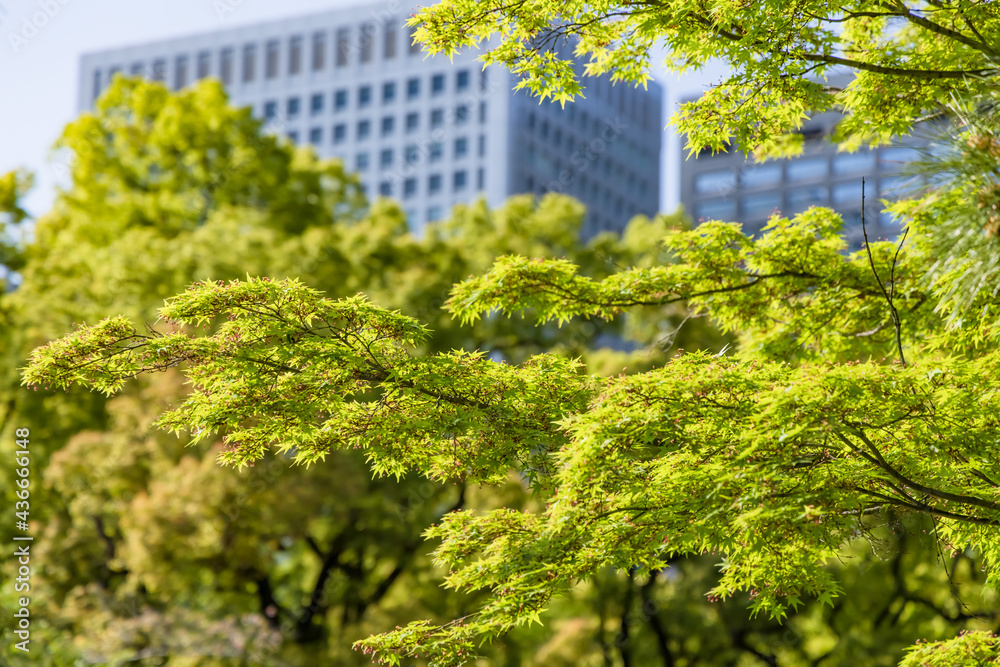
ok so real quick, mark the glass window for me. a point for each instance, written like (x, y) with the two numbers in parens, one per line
(316, 103)
(544, 131)
(848, 193)
(137, 68)
(270, 110)
(461, 114)
(412, 154)
(849, 163)
(385, 158)
(531, 120)
(339, 133)
(390, 40)
(388, 92)
(204, 64)
(462, 80)
(293, 137)
(437, 84)
(316, 136)
(292, 107)
(159, 69)
(340, 99)
(412, 88)
(461, 147)
(808, 169)
(409, 187)
(180, 72)
(803, 197)
(434, 184)
(715, 209)
(319, 51)
(715, 182)
(388, 125)
(225, 66)
(436, 150)
(364, 129)
(385, 188)
(295, 55)
(271, 59)
(433, 214)
(367, 37)
(414, 44)
(760, 175)
(343, 46)
(249, 62)
(482, 112)
(437, 118)
(412, 121)
(761, 205)
(361, 161)
(480, 178)
(364, 96)
(97, 83)
(459, 181)
(482, 145)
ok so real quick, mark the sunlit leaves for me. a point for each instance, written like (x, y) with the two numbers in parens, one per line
(781, 57)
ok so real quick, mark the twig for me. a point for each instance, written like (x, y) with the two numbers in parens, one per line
(887, 295)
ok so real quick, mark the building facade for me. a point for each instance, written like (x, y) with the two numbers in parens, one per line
(728, 186)
(426, 131)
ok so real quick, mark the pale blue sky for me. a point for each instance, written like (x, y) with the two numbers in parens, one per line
(39, 67)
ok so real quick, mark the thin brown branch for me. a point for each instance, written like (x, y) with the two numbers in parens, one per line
(888, 297)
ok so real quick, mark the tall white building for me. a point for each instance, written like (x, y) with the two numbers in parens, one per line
(427, 131)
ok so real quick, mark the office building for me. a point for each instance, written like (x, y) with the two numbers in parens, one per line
(425, 131)
(728, 186)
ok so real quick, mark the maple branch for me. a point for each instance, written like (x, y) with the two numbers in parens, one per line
(888, 295)
(917, 486)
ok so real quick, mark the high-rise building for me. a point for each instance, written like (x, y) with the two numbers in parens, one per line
(427, 131)
(728, 186)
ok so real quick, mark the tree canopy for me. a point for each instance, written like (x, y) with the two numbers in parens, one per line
(907, 57)
(775, 457)
(859, 399)
(173, 555)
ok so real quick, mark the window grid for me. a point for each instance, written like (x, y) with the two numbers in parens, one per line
(180, 72)
(318, 51)
(295, 55)
(343, 47)
(367, 37)
(271, 59)
(389, 51)
(249, 62)
(226, 66)
(316, 104)
(364, 130)
(204, 64)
